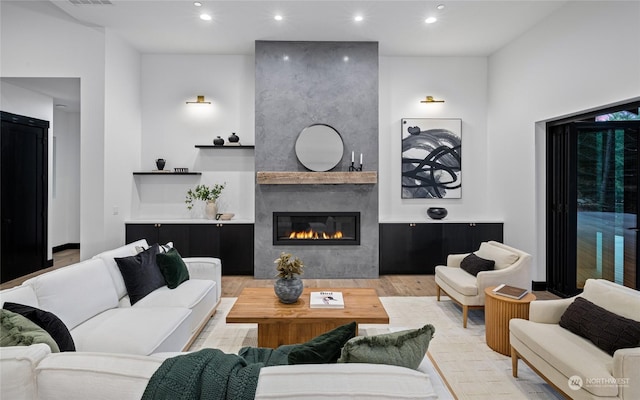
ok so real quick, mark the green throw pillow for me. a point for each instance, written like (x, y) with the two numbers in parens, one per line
(404, 348)
(323, 349)
(172, 267)
(16, 330)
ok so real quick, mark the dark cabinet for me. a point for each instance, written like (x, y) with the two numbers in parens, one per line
(416, 248)
(232, 243)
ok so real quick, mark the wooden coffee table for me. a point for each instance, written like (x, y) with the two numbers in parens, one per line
(280, 323)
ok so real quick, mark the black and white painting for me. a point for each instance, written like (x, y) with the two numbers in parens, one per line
(431, 158)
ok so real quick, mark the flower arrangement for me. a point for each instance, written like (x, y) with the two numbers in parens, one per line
(204, 193)
(288, 266)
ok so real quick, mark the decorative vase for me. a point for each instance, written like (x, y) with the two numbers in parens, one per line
(211, 210)
(234, 138)
(218, 141)
(160, 162)
(288, 290)
(437, 212)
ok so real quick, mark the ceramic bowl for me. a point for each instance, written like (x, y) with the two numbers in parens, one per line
(227, 216)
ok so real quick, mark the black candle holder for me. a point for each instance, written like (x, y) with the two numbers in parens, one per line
(353, 168)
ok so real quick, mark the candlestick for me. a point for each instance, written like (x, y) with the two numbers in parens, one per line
(352, 157)
(360, 159)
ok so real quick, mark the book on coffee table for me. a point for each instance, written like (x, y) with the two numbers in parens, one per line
(510, 291)
(326, 299)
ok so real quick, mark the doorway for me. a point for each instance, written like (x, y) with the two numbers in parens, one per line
(23, 207)
(593, 173)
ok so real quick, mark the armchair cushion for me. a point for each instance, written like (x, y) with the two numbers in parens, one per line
(460, 280)
(605, 329)
(502, 257)
(474, 264)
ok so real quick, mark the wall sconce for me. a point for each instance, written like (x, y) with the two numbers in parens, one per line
(430, 99)
(200, 100)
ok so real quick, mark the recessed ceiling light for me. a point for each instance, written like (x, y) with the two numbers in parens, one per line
(197, 4)
(205, 17)
(345, 58)
(278, 17)
(358, 18)
(440, 7)
(431, 20)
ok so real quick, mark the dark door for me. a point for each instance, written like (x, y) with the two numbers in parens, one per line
(236, 246)
(24, 195)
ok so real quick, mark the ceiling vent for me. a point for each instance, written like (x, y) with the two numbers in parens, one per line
(90, 2)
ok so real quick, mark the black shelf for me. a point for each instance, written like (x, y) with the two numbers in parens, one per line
(212, 146)
(166, 173)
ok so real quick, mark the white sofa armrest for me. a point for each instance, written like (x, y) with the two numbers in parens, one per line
(454, 260)
(17, 370)
(626, 364)
(207, 268)
(548, 311)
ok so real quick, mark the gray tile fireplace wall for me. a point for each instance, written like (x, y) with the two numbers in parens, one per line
(299, 84)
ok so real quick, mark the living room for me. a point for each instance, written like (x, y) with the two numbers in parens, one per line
(133, 112)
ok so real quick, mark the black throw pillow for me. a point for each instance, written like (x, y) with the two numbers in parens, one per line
(325, 348)
(605, 329)
(141, 274)
(474, 264)
(47, 321)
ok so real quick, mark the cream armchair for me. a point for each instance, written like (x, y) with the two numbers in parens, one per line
(512, 267)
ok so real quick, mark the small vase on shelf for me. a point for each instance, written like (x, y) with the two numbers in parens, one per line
(211, 210)
(218, 141)
(234, 138)
(160, 163)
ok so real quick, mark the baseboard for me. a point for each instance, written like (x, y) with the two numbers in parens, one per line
(66, 246)
(539, 286)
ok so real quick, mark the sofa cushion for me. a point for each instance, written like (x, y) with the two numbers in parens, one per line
(461, 281)
(22, 294)
(47, 321)
(134, 330)
(324, 348)
(77, 292)
(502, 257)
(605, 329)
(109, 259)
(17, 330)
(141, 273)
(404, 348)
(474, 264)
(17, 371)
(172, 267)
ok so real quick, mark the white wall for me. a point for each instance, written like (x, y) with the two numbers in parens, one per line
(122, 135)
(171, 129)
(583, 56)
(36, 44)
(462, 83)
(25, 102)
(64, 215)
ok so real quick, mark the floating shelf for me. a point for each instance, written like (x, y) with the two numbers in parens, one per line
(316, 178)
(211, 146)
(166, 173)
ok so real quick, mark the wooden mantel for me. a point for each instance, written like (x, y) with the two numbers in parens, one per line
(316, 178)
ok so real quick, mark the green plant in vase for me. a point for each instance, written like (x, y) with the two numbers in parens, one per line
(288, 286)
(207, 194)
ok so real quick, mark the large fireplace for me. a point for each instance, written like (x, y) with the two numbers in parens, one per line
(316, 228)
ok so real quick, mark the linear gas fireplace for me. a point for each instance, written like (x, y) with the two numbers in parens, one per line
(316, 228)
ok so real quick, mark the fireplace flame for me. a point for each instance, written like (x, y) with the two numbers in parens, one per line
(311, 234)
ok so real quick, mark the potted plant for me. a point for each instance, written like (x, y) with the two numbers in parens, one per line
(288, 286)
(208, 194)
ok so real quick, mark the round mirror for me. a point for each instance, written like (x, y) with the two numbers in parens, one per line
(319, 147)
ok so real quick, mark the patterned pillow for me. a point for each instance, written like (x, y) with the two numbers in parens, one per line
(605, 329)
(47, 321)
(16, 330)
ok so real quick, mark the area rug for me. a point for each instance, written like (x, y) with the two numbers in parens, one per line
(468, 366)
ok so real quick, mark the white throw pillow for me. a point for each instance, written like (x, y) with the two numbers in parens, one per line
(502, 257)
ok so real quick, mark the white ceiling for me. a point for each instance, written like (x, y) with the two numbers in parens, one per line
(464, 28)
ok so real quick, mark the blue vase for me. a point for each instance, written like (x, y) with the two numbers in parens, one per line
(288, 290)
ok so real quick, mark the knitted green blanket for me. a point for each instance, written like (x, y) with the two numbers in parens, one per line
(208, 374)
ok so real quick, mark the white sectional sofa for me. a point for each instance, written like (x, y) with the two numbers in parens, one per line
(573, 364)
(91, 299)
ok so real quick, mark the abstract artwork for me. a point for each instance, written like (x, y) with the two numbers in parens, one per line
(431, 158)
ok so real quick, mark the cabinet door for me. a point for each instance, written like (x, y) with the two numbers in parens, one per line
(410, 248)
(178, 234)
(135, 232)
(466, 237)
(204, 240)
(236, 247)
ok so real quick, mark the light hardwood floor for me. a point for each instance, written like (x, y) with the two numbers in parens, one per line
(386, 285)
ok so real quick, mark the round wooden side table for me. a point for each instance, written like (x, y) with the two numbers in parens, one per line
(498, 310)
